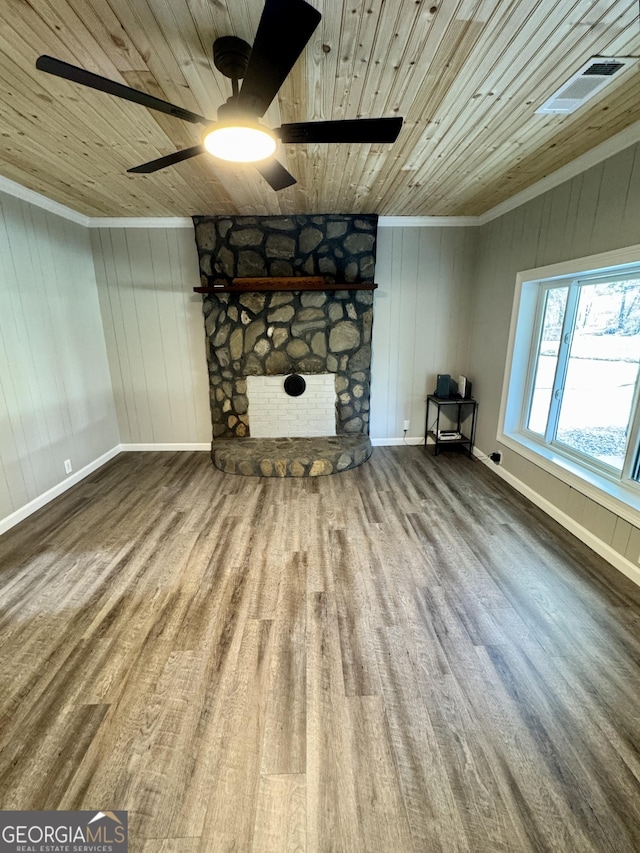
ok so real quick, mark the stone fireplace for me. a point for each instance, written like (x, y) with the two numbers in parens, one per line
(271, 330)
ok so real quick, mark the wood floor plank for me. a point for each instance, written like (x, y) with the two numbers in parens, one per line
(161, 752)
(233, 801)
(568, 752)
(333, 820)
(434, 820)
(486, 809)
(170, 845)
(520, 761)
(356, 617)
(281, 814)
(407, 656)
(37, 768)
(285, 738)
(380, 803)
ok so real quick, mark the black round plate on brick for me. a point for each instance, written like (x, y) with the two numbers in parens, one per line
(294, 385)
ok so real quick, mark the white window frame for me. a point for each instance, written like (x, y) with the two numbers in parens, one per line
(616, 492)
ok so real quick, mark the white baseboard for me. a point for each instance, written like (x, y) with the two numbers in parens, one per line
(37, 503)
(605, 551)
(394, 442)
(126, 448)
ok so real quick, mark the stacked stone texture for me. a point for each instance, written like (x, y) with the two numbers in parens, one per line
(278, 333)
(272, 334)
(338, 246)
(290, 457)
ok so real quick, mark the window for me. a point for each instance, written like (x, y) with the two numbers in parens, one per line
(573, 391)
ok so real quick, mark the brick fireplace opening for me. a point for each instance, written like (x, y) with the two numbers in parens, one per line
(273, 413)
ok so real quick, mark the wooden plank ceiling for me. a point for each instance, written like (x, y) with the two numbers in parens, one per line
(467, 75)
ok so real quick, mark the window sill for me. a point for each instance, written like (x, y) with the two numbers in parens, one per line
(619, 499)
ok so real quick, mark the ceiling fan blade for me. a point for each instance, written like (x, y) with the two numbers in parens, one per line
(169, 160)
(347, 130)
(94, 81)
(275, 174)
(283, 32)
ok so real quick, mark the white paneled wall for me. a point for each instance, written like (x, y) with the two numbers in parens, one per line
(154, 330)
(56, 401)
(421, 321)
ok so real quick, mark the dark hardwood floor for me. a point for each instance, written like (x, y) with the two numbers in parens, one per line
(404, 657)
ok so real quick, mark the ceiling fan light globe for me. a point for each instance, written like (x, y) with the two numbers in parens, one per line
(240, 142)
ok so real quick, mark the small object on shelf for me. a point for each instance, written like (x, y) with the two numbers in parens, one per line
(463, 435)
(443, 385)
(449, 435)
(464, 387)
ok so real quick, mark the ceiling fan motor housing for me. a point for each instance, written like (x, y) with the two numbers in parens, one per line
(230, 110)
(231, 56)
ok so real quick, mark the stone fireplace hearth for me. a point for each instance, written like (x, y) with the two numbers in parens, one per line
(290, 457)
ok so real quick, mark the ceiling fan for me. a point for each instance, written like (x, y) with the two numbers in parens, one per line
(283, 32)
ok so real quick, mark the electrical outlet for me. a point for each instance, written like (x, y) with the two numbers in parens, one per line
(67, 466)
(406, 426)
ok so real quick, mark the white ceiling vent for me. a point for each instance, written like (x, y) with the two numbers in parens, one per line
(598, 72)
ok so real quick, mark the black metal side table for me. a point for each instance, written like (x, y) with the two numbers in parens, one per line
(458, 410)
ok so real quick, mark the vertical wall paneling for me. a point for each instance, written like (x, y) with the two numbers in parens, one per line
(425, 327)
(555, 222)
(631, 210)
(421, 321)
(169, 299)
(154, 330)
(596, 211)
(404, 286)
(586, 234)
(113, 330)
(184, 267)
(616, 174)
(146, 279)
(17, 463)
(127, 359)
(381, 335)
(56, 401)
(31, 379)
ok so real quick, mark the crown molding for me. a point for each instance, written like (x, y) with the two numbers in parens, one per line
(625, 139)
(622, 140)
(16, 190)
(427, 221)
(141, 222)
(32, 197)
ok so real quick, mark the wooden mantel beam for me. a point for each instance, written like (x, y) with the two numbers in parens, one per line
(265, 284)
